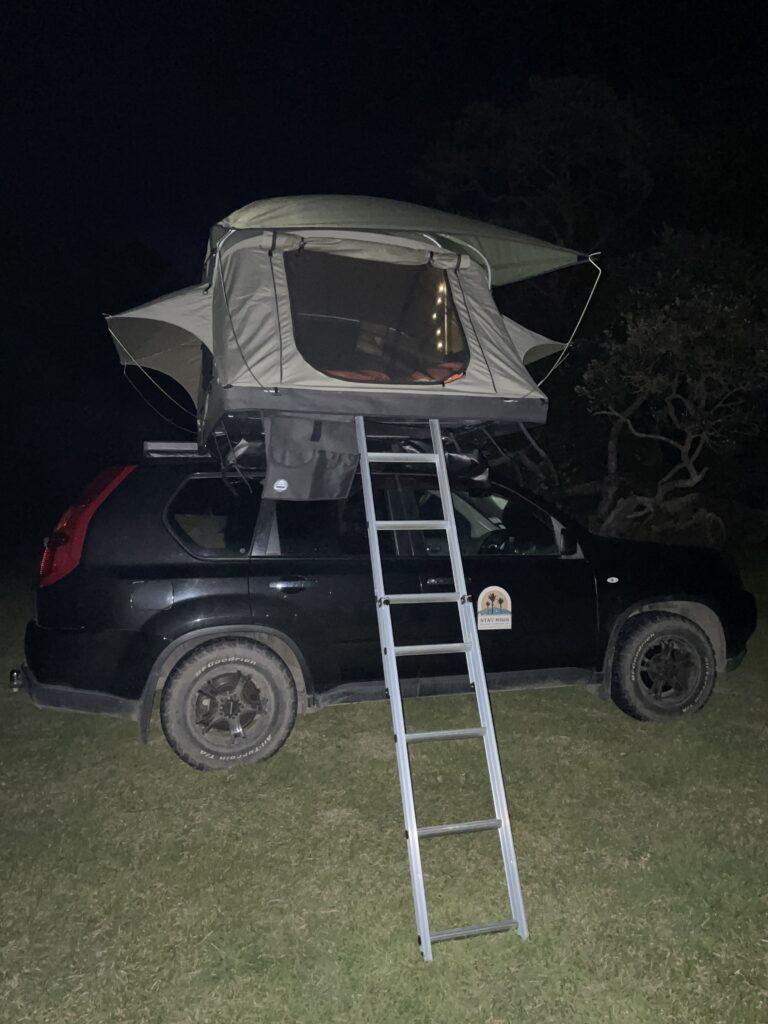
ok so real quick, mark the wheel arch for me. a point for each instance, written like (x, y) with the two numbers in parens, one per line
(276, 641)
(701, 614)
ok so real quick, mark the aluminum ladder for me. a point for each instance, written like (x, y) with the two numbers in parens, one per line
(470, 647)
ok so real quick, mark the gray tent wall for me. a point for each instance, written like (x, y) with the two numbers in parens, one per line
(258, 366)
(169, 333)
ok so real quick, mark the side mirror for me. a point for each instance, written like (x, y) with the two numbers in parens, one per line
(568, 543)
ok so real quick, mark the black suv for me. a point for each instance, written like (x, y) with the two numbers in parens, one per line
(246, 611)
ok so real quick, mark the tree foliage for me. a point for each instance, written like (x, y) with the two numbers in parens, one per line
(571, 161)
(684, 367)
(671, 386)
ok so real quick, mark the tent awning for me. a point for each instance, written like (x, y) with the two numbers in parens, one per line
(166, 335)
(508, 255)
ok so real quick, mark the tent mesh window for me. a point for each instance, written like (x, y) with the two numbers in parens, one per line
(375, 323)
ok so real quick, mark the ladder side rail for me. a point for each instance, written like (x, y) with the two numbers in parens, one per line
(475, 665)
(501, 808)
(392, 682)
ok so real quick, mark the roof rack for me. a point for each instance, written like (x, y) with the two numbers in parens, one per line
(174, 450)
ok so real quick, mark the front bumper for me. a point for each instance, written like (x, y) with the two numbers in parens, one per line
(68, 698)
(735, 660)
(739, 622)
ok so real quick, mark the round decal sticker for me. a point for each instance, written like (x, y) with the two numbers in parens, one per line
(280, 486)
(494, 609)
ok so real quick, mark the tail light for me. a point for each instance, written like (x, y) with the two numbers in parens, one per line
(64, 548)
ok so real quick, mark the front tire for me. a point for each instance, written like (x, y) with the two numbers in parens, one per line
(226, 703)
(664, 666)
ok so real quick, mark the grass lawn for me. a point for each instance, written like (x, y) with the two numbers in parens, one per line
(135, 889)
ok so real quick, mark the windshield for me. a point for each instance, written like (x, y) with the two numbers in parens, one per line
(375, 323)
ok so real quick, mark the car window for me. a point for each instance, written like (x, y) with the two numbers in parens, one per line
(488, 523)
(213, 518)
(317, 529)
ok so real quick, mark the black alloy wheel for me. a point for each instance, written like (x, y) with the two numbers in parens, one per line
(228, 702)
(663, 666)
(670, 669)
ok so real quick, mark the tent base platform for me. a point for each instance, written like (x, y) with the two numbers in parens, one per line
(244, 403)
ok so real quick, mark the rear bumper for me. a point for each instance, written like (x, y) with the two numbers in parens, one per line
(67, 698)
(115, 662)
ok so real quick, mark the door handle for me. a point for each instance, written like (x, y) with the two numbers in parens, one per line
(292, 585)
(445, 581)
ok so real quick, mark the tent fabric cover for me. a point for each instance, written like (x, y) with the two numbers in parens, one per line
(510, 256)
(529, 345)
(167, 335)
(252, 318)
(258, 364)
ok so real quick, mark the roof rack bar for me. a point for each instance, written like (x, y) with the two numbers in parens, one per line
(174, 450)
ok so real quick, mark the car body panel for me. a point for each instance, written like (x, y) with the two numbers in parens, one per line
(554, 619)
(111, 626)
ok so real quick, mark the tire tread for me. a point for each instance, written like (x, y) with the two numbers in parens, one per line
(621, 687)
(211, 648)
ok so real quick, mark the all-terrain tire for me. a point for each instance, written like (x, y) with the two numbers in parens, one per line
(686, 668)
(227, 703)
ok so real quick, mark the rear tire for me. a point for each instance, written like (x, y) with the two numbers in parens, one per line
(227, 703)
(664, 666)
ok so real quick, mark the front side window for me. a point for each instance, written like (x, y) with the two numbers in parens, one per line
(333, 529)
(213, 518)
(375, 323)
(488, 523)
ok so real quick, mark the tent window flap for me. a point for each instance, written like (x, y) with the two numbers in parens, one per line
(370, 322)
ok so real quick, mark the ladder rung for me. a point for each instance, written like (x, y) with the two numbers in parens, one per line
(444, 734)
(458, 829)
(411, 524)
(473, 929)
(411, 649)
(402, 457)
(436, 598)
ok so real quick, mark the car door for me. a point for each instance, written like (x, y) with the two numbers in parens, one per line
(509, 547)
(312, 577)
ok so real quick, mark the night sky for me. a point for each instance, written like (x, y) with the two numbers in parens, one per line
(134, 128)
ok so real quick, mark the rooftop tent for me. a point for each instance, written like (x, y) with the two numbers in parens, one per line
(324, 321)
(333, 305)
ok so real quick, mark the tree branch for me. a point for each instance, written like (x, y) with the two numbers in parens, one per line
(638, 433)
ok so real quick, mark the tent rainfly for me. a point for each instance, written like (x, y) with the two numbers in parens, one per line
(344, 305)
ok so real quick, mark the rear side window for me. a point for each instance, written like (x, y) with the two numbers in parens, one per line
(213, 518)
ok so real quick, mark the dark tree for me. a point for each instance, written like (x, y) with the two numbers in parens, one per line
(571, 162)
(683, 369)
